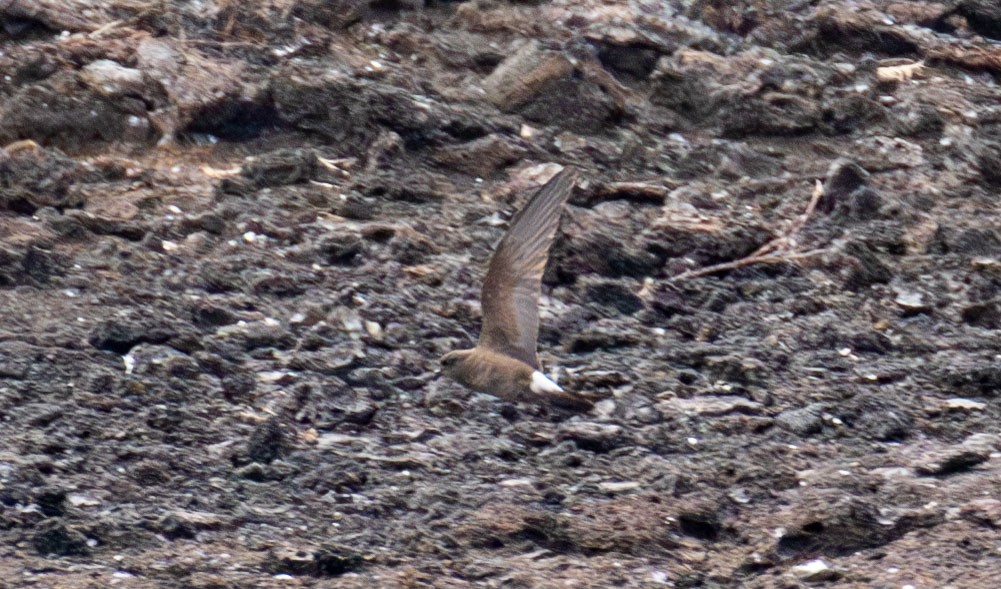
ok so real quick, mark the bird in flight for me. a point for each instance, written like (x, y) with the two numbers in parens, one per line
(504, 362)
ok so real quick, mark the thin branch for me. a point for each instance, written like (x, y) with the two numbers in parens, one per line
(761, 259)
(775, 251)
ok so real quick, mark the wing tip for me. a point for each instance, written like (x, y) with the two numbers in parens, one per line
(568, 174)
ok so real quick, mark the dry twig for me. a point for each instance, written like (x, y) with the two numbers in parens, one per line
(900, 73)
(776, 251)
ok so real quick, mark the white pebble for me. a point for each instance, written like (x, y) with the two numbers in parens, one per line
(811, 568)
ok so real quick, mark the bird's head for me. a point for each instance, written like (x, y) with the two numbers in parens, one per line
(452, 362)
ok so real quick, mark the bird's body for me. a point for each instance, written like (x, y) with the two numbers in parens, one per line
(504, 362)
(487, 371)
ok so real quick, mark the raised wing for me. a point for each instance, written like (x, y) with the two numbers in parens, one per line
(510, 296)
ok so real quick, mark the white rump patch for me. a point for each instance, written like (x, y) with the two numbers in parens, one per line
(542, 384)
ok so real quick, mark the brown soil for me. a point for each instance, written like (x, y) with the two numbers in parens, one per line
(236, 236)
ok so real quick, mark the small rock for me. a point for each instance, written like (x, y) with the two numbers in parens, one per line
(327, 561)
(985, 510)
(986, 314)
(974, 378)
(481, 157)
(254, 471)
(523, 75)
(613, 487)
(865, 267)
(988, 158)
(540, 84)
(599, 337)
(258, 334)
(846, 191)
(281, 167)
(52, 536)
(182, 523)
(587, 435)
(843, 176)
(267, 442)
(912, 302)
(960, 404)
(327, 360)
(359, 411)
(711, 406)
(803, 422)
(291, 562)
(982, 442)
(206, 314)
(631, 60)
(736, 369)
(877, 418)
(701, 522)
(333, 440)
(341, 250)
(815, 571)
(348, 318)
(80, 500)
(117, 336)
(739, 495)
(604, 408)
(950, 461)
(600, 379)
(334, 561)
(659, 577)
(150, 473)
(51, 501)
(373, 329)
(111, 79)
(614, 295)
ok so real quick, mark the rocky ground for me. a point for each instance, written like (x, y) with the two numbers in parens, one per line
(236, 236)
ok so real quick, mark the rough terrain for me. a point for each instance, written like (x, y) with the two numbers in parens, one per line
(236, 236)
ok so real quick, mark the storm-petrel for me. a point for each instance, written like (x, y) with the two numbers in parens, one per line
(504, 362)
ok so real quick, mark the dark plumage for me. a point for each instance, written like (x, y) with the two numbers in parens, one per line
(504, 362)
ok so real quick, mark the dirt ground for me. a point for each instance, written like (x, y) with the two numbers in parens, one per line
(236, 236)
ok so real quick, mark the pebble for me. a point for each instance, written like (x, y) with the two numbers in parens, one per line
(373, 329)
(658, 577)
(912, 302)
(950, 461)
(815, 570)
(711, 406)
(739, 495)
(808, 569)
(618, 486)
(111, 79)
(985, 510)
(604, 408)
(594, 433)
(804, 421)
(960, 404)
(77, 500)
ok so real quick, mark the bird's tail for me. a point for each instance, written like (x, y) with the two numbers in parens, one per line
(570, 401)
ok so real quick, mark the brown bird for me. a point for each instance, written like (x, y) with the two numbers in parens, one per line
(504, 362)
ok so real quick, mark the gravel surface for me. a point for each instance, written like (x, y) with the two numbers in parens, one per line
(236, 236)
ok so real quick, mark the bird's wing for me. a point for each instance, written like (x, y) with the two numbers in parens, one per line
(510, 296)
